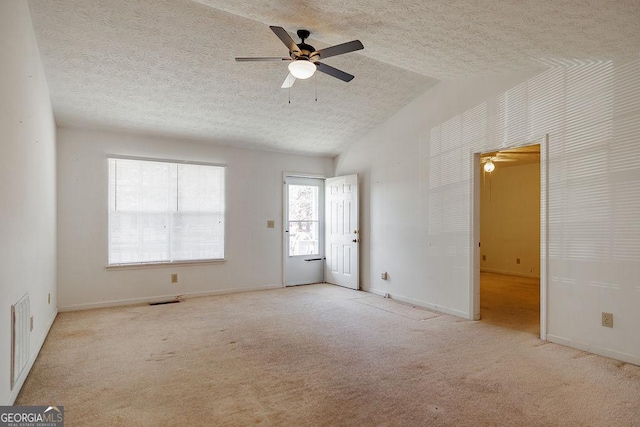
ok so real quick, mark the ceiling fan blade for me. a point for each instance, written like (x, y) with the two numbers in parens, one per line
(288, 82)
(285, 38)
(263, 58)
(334, 72)
(339, 49)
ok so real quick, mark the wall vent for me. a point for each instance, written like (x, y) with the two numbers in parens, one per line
(20, 320)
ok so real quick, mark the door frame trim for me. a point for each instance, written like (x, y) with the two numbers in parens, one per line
(283, 244)
(474, 262)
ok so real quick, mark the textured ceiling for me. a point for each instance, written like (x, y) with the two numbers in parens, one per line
(167, 66)
(460, 38)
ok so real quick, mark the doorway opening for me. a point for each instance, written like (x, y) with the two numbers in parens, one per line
(510, 262)
(321, 234)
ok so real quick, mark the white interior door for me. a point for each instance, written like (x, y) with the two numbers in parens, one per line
(342, 231)
(304, 230)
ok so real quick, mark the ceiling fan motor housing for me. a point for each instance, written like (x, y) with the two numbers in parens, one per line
(305, 49)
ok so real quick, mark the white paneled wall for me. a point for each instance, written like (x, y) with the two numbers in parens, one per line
(27, 193)
(588, 111)
(591, 113)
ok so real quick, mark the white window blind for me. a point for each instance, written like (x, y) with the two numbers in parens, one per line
(165, 212)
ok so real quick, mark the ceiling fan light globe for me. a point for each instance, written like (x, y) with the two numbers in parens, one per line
(489, 166)
(302, 69)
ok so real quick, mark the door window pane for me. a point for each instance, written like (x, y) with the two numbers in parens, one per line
(303, 238)
(303, 220)
(303, 203)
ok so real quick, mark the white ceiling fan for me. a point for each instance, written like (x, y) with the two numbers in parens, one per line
(304, 59)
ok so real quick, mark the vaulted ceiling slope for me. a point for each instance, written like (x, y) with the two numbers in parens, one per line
(167, 66)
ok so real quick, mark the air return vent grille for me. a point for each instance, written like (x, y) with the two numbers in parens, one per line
(20, 327)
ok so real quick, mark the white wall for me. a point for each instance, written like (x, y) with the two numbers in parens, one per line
(510, 220)
(424, 251)
(416, 169)
(254, 195)
(27, 187)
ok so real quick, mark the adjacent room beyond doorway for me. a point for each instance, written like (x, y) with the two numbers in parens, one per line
(510, 238)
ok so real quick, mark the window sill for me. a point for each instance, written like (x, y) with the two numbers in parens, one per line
(163, 264)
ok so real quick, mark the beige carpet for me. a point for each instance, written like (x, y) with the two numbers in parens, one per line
(510, 302)
(318, 355)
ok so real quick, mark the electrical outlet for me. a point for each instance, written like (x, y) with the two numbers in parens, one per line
(384, 276)
(31, 323)
(174, 278)
(517, 260)
(271, 224)
(607, 320)
(484, 257)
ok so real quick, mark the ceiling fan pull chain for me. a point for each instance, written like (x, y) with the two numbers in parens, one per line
(289, 94)
(316, 82)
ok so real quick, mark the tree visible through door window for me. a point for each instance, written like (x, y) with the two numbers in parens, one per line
(303, 220)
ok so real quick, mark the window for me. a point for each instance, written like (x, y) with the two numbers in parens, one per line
(304, 221)
(165, 212)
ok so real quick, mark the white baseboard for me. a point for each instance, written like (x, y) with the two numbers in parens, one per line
(418, 303)
(510, 273)
(163, 298)
(34, 355)
(625, 357)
